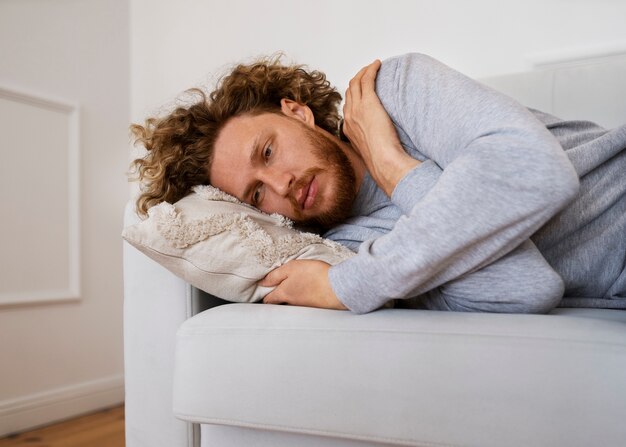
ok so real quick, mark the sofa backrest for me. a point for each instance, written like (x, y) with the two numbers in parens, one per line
(591, 89)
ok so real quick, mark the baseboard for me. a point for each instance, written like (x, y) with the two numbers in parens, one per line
(38, 409)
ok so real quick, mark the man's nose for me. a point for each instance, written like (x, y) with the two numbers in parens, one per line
(279, 182)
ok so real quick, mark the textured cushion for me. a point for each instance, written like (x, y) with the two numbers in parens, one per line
(408, 377)
(223, 246)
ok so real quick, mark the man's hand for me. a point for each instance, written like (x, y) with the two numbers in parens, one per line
(301, 283)
(371, 132)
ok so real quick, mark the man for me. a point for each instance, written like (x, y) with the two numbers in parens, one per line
(454, 195)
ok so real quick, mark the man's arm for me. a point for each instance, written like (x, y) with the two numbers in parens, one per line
(504, 177)
(521, 281)
(372, 133)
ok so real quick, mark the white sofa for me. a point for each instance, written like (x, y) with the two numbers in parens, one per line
(200, 371)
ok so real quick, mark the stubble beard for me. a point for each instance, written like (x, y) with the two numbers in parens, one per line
(332, 159)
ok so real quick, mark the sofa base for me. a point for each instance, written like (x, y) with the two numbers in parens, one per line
(228, 436)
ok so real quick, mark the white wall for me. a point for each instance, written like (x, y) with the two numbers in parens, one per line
(176, 45)
(62, 358)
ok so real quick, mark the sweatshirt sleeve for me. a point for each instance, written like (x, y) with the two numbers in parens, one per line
(504, 176)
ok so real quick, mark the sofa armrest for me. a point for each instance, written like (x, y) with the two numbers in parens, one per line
(156, 302)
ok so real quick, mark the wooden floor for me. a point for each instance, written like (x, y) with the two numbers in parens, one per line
(102, 429)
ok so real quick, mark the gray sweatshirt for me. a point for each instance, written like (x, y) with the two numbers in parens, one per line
(492, 219)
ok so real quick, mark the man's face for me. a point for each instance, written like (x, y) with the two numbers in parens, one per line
(281, 165)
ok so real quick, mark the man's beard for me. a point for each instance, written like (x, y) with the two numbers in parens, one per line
(332, 159)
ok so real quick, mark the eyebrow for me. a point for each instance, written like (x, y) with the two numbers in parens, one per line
(254, 148)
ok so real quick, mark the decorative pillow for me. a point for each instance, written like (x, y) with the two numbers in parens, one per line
(223, 246)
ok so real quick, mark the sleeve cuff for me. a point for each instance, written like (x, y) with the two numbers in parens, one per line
(415, 184)
(352, 289)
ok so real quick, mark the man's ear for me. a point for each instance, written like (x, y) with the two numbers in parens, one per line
(299, 111)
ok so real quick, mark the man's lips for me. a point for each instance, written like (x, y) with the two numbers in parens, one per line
(307, 194)
(311, 193)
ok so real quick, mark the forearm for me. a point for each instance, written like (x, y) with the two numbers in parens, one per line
(390, 166)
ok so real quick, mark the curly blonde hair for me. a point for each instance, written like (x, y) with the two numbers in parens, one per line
(180, 145)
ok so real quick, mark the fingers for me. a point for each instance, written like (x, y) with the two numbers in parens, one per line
(368, 80)
(366, 77)
(274, 298)
(274, 277)
(355, 83)
(347, 106)
(363, 82)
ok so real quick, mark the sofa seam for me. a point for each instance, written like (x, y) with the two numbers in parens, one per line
(188, 333)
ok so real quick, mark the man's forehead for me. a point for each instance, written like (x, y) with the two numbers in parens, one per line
(235, 139)
(242, 130)
(232, 152)
(237, 130)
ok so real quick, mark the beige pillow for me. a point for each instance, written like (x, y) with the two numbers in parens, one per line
(223, 246)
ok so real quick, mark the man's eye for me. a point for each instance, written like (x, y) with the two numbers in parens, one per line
(256, 196)
(267, 153)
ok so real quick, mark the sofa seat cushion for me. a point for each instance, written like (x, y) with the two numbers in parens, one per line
(407, 377)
